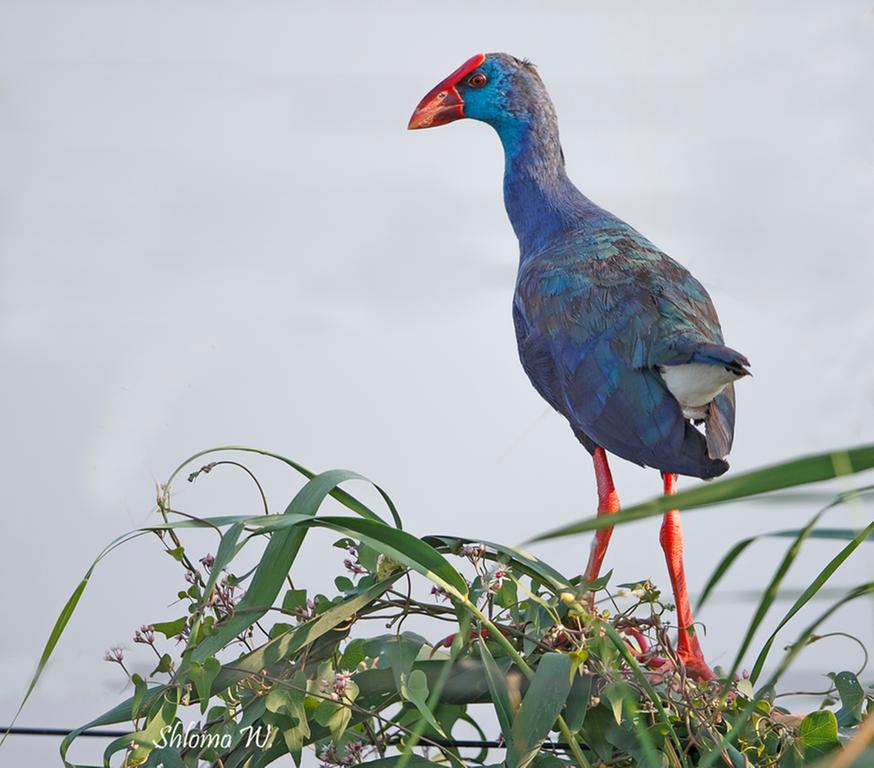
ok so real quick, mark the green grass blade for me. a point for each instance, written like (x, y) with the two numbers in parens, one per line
(398, 761)
(497, 683)
(518, 559)
(61, 624)
(643, 680)
(401, 547)
(651, 756)
(722, 567)
(121, 713)
(289, 643)
(226, 551)
(276, 650)
(808, 469)
(770, 592)
(709, 758)
(277, 559)
(831, 534)
(337, 493)
(139, 744)
(55, 635)
(541, 706)
(822, 577)
(433, 700)
(844, 534)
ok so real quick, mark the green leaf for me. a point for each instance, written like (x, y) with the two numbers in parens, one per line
(290, 643)
(334, 716)
(165, 665)
(578, 702)
(852, 699)
(167, 757)
(546, 760)
(615, 695)
(121, 713)
(506, 596)
(294, 600)
(368, 557)
(291, 699)
(277, 559)
(401, 547)
(161, 715)
(745, 689)
(279, 628)
(412, 761)
(808, 469)
(661, 715)
(597, 584)
(414, 688)
(791, 757)
(203, 675)
(227, 550)
(497, 682)
(520, 562)
(599, 721)
(644, 750)
(264, 657)
(541, 707)
(171, 629)
(818, 734)
(400, 652)
(353, 655)
(140, 688)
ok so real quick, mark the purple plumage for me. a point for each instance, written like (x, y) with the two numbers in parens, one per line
(614, 334)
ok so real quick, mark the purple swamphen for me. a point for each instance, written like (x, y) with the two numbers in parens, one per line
(615, 335)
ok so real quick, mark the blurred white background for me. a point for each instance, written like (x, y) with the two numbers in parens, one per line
(214, 229)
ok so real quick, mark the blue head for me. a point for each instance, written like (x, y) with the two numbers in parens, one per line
(495, 88)
(508, 94)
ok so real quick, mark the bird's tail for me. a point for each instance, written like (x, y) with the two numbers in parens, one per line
(695, 458)
(688, 455)
(719, 424)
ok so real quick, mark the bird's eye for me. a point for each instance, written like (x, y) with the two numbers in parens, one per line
(477, 80)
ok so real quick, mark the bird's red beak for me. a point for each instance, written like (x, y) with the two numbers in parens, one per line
(443, 103)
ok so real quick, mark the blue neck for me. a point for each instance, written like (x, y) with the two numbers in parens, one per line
(541, 201)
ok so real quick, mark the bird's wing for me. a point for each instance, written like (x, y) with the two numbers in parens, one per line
(600, 313)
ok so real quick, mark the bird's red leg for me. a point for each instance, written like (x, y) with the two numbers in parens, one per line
(671, 538)
(608, 504)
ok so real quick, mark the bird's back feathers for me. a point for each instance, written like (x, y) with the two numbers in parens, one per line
(598, 314)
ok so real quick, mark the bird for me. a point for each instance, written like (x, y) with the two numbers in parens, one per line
(614, 334)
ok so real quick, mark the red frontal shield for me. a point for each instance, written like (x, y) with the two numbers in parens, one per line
(443, 104)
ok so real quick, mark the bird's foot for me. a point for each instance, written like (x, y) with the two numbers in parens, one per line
(691, 657)
(689, 663)
(696, 667)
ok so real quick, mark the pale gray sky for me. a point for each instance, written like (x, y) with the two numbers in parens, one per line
(214, 228)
